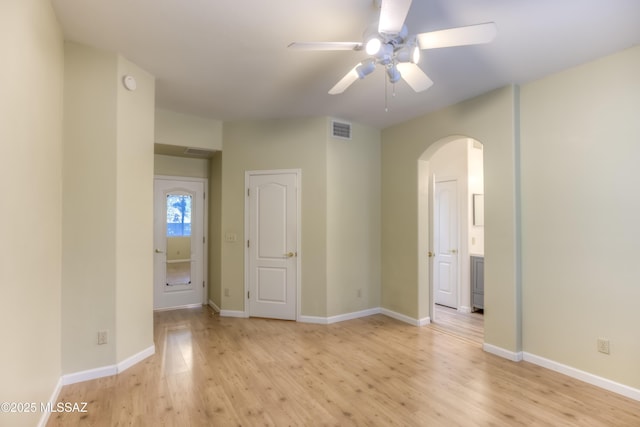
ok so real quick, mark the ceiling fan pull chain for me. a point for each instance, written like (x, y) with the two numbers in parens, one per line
(386, 90)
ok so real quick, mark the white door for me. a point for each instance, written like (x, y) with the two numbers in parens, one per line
(178, 243)
(272, 252)
(445, 241)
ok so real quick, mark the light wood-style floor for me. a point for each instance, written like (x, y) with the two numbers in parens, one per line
(468, 326)
(373, 371)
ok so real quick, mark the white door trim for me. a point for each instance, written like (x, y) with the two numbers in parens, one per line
(247, 176)
(205, 229)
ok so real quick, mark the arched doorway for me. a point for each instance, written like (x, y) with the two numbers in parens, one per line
(451, 235)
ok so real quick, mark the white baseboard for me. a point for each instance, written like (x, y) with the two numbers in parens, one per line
(106, 371)
(499, 351)
(232, 313)
(89, 374)
(44, 418)
(464, 309)
(353, 315)
(136, 358)
(178, 307)
(403, 318)
(624, 390)
(214, 306)
(338, 318)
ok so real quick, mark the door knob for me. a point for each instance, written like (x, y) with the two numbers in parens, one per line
(431, 254)
(158, 251)
(290, 254)
(454, 251)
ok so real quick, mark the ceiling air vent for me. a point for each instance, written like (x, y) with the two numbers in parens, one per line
(340, 130)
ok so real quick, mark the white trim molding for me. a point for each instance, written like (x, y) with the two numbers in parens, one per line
(44, 418)
(89, 374)
(106, 371)
(501, 352)
(178, 307)
(233, 313)
(406, 319)
(464, 309)
(338, 318)
(624, 390)
(136, 358)
(214, 306)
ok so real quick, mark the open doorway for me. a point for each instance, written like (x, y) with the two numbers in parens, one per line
(452, 175)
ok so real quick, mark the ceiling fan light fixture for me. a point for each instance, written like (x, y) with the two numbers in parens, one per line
(393, 73)
(415, 55)
(373, 46)
(365, 68)
(409, 53)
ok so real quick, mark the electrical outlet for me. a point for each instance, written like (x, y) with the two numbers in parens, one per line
(603, 345)
(359, 293)
(102, 337)
(226, 292)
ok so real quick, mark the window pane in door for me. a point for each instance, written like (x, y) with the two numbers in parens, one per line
(178, 215)
(178, 239)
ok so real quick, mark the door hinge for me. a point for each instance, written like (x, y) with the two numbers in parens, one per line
(247, 243)
(248, 192)
(204, 195)
(248, 294)
(203, 283)
(203, 241)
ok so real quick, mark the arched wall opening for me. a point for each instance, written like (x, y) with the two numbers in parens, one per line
(467, 175)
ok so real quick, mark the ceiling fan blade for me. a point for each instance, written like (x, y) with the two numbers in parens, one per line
(326, 45)
(414, 76)
(392, 15)
(461, 36)
(346, 81)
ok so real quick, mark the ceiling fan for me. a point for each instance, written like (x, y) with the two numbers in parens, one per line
(390, 45)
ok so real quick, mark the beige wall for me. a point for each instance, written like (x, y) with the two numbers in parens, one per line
(353, 222)
(134, 212)
(180, 166)
(276, 144)
(490, 119)
(107, 210)
(185, 130)
(31, 83)
(580, 210)
(340, 216)
(89, 197)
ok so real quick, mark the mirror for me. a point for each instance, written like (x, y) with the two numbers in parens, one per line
(178, 239)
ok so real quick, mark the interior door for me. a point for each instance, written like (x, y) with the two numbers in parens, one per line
(272, 244)
(445, 228)
(178, 243)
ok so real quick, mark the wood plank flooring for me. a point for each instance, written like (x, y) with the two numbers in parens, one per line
(373, 371)
(469, 326)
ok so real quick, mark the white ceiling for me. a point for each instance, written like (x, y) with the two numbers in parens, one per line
(228, 59)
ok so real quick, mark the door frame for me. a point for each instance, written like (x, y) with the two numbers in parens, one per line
(205, 231)
(247, 199)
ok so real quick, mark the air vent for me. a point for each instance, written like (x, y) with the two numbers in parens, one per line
(340, 130)
(198, 152)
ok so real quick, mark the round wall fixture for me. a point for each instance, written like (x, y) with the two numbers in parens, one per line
(129, 82)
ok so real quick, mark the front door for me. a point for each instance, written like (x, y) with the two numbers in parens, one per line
(445, 239)
(272, 244)
(179, 243)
